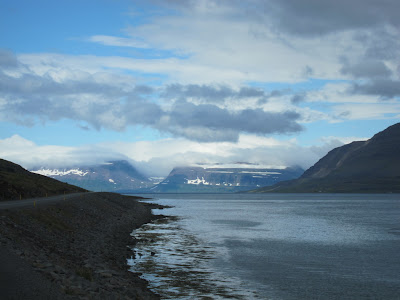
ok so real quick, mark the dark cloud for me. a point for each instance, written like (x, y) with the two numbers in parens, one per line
(304, 17)
(143, 89)
(380, 43)
(200, 119)
(141, 111)
(210, 93)
(298, 98)
(248, 92)
(35, 85)
(314, 17)
(384, 88)
(366, 69)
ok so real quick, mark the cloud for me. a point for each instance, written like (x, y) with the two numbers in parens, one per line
(8, 59)
(280, 40)
(367, 111)
(210, 93)
(367, 69)
(384, 88)
(215, 53)
(298, 98)
(117, 41)
(98, 100)
(193, 119)
(158, 158)
(26, 153)
(313, 17)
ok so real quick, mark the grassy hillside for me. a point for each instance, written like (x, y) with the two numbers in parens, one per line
(18, 183)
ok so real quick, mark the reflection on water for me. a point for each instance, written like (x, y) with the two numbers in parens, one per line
(176, 264)
(273, 247)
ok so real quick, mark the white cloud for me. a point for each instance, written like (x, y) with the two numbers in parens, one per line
(117, 41)
(338, 93)
(26, 153)
(367, 111)
(227, 50)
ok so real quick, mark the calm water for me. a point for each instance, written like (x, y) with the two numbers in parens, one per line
(304, 246)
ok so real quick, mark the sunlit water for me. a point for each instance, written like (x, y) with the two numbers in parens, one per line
(274, 246)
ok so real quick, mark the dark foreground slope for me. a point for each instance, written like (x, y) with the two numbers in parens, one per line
(371, 166)
(71, 249)
(18, 183)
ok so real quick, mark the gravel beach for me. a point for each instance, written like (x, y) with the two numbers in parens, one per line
(75, 248)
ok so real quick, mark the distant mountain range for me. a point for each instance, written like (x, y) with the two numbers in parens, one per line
(221, 180)
(371, 166)
(18, 183)
(112, 176)
(122, 177)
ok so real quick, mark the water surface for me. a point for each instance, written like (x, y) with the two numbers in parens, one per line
(273, 246)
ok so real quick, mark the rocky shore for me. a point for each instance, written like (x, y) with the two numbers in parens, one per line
(72, 249)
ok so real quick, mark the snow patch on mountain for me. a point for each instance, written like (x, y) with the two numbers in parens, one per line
(56, 172)
(198, 181)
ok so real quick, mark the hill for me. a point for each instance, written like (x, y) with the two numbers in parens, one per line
(18, 183)
(371, 166)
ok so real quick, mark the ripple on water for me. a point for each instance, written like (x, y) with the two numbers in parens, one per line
(179, 266)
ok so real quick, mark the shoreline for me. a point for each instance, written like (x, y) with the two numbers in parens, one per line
(73, 249)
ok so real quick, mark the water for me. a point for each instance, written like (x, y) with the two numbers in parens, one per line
(274, 246)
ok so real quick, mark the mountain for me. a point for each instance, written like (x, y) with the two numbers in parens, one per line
(18, 183)
(371, 166)
(112, 176)
(221, 180)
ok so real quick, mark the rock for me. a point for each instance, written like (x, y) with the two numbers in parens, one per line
(55, 276)
(107, 275)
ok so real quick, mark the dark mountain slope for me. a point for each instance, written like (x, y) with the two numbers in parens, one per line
(17, 183)
(371, 166)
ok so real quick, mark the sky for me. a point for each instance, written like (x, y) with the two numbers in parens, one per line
(269, 83)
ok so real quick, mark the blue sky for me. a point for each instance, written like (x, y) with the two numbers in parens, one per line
(168, 83)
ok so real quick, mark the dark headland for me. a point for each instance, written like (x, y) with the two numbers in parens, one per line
(73, 246)
(371, 166)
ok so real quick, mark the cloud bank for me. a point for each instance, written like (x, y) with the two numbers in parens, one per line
(158, 158)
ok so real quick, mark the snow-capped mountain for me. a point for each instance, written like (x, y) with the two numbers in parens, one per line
(198, 179)
(120, 176)
(111, 176)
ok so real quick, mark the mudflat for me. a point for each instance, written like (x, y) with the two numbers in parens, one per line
(73, 248)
